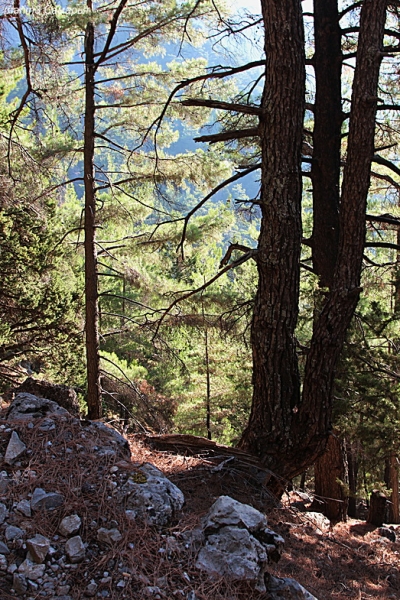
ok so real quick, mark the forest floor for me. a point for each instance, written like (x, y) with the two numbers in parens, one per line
(348, 560)
(351, 560)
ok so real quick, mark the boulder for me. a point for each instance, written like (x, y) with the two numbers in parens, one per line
(318, 520)
(26, 407)
(238, 544)
(61, 394)
(235, 554)
(151, 496)
(112, 443)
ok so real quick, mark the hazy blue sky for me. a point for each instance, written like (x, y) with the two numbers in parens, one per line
(254, 5)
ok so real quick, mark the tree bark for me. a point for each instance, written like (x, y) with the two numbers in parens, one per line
(91, 273)
(392, 482)
(314, 422)
(352, 463)
(331, 473)
(377, 508)
(275, 372)
(328, 118)
(286, 432)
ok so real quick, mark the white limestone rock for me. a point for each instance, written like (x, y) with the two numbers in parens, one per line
(149, 494)
(26, 406)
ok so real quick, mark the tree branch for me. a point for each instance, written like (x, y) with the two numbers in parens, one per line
(390, 219)
(382, 245)
(379, 160)
(228, 135)
(232, 106)
(233, 265)
(232, 248)
(210, 195)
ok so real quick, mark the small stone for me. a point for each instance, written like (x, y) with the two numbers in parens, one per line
(13, 533)
(4, 548)
(62, 590)
(33, 586)
(75, 549)
(70, 525)
(47, 425)
(109, 536)
(43, 500)
(38, 548)
(15, 449)
(3, 563)
(24, 507)
(121, 584)
(152, 590)
(20, 584)
(3, 512)
(31, 570)
(91, 589)
(4, 482)
(12, 568)
(387, 533)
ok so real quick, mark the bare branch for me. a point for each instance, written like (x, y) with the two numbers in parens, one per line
(382, 245)
(228, 135)
(232, 248)
(390, 219)
(349, 9)
(232, 106)
(379, 160)
(210, 195)
(111, 32)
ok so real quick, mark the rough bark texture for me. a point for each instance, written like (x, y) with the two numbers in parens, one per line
(276, 377)
(330, 474)
(392, 482)
(377, 508)
(287, 433)
(91, 274)
(352, 464)
(325, 167)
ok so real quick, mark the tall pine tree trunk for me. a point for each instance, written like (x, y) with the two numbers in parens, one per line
(392, 482)
(287, 432)
(331, 478)
(352, 462)
(325, 177)
(327, 139)
(91, 274)
(276, 392)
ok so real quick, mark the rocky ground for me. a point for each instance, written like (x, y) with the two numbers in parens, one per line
(67, 531)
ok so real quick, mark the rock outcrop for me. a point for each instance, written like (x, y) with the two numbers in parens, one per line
(72, 499)
(63, 395)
